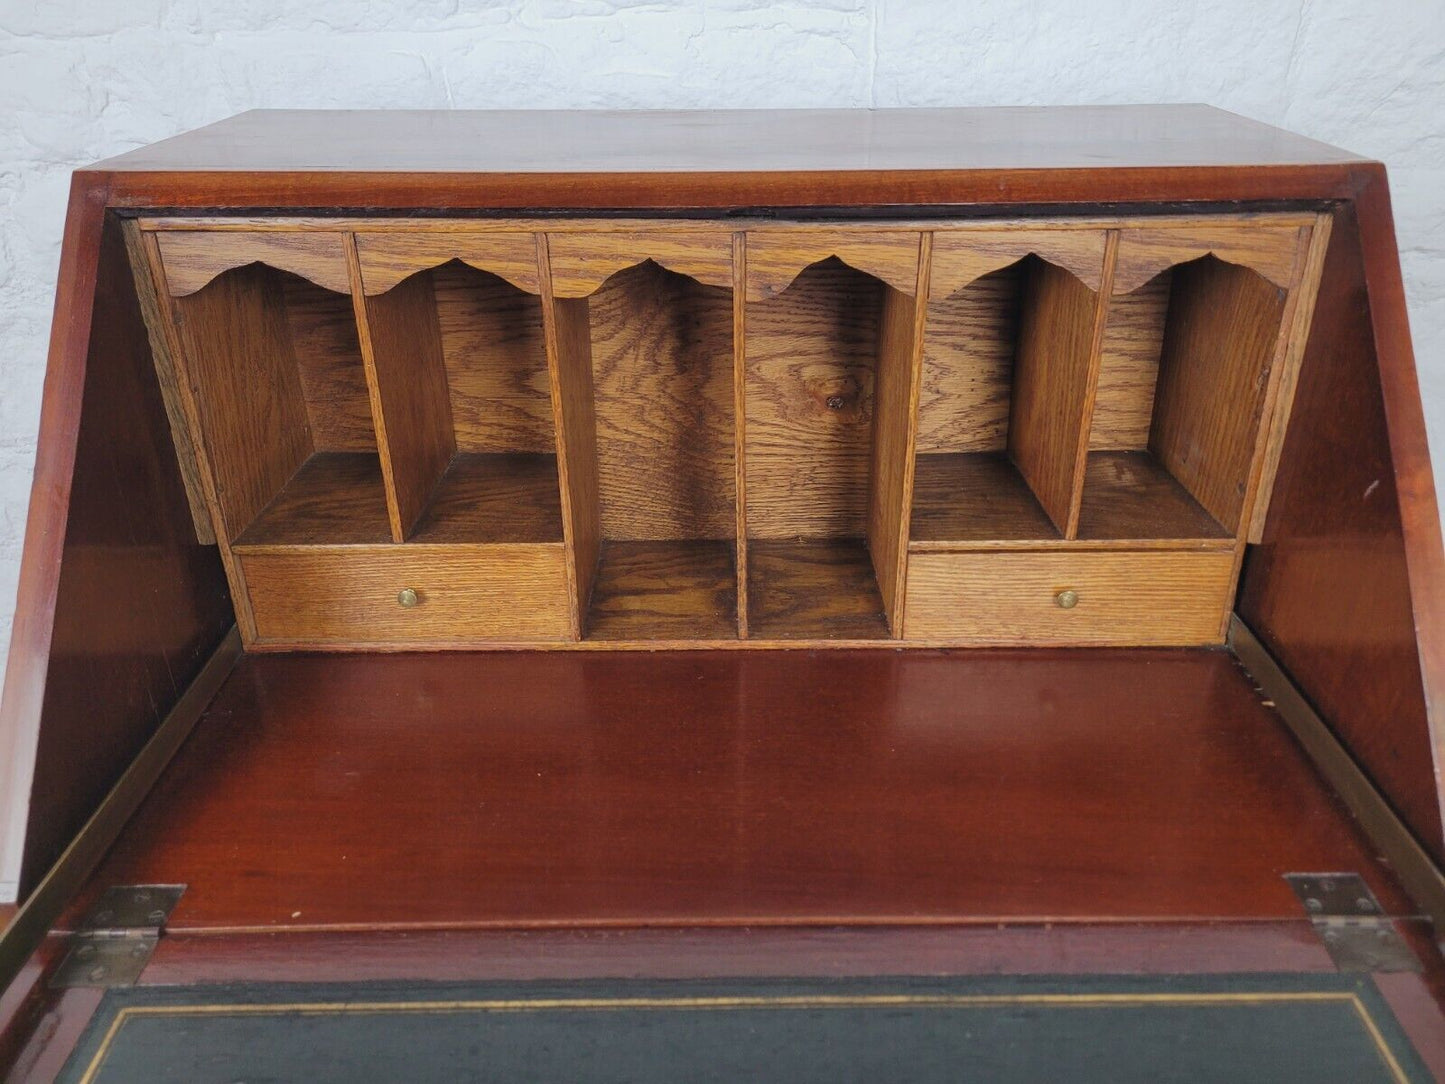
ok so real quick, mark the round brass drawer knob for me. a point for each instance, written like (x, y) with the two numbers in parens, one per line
(407, 597)
(1067, 599)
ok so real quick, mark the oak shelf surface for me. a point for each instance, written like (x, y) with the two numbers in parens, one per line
(334, 498)
(494, 498)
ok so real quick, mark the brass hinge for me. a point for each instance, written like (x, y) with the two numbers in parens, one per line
(114, 942)
(1356, 932)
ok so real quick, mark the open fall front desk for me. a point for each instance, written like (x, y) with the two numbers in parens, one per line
(704, 520)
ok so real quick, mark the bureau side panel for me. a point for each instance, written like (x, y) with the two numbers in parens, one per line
(1340, 589)
(119, 604)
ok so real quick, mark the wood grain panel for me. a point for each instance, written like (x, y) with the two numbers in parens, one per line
(1219, 346)
(675, 590)
(662, 374)
(192, 258)
(810, 356)
(1054, 375)
(387, 258)
(336, 594)
(582, 262)
(1129, 367)
(569, 367)
(1137, 599)
(961, 256)
(496, 362)
(777, 257)
(402, 344)
(890, 488)
(814, 590)
(239, 355)
(1259, 245)
(968, 362)
(329, 364)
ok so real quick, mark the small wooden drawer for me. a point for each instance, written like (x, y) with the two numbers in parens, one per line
(370, 595)
(1162, 598)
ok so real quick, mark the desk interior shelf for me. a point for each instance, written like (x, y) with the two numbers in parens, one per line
(468, 432)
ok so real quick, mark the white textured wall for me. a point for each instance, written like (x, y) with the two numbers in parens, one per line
(83, 79)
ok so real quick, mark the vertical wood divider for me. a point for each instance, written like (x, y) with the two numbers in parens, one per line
(897, 388)
(567, 331)
(1295, 333)
(187, 391)
(1294, 327)
(1091, 387)
(740, 424)
(164, 350)
(378, 415)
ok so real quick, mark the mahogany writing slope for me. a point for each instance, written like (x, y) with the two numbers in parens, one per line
(696, 521)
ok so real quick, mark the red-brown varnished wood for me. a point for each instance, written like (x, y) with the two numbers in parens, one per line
(39, 1026)
(1333, 591)
(1167, 948)
(119, 605)
(736, 788)
(753, 158)
(601, 142)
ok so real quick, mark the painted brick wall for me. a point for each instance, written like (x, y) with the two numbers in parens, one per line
(81, 79)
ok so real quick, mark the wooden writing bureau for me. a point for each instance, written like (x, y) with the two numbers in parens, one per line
(967, 453)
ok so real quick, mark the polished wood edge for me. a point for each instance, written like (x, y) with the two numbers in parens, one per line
(45, 528)
(691, 952)
(220, 189)
(1059, 221)
(33, 921)
(1409, 450)
(1422, 880)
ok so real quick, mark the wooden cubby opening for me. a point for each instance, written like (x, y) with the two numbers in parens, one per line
(281, 398)
(661, 463)
(1002, 407)
(465, 405)
(817, 355)
(1184, 373)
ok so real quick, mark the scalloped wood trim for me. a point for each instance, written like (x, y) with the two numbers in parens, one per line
(960, 257)
(582, 262)
(777, 257)
(193, 258)
(1146, 252)
(389, 258)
